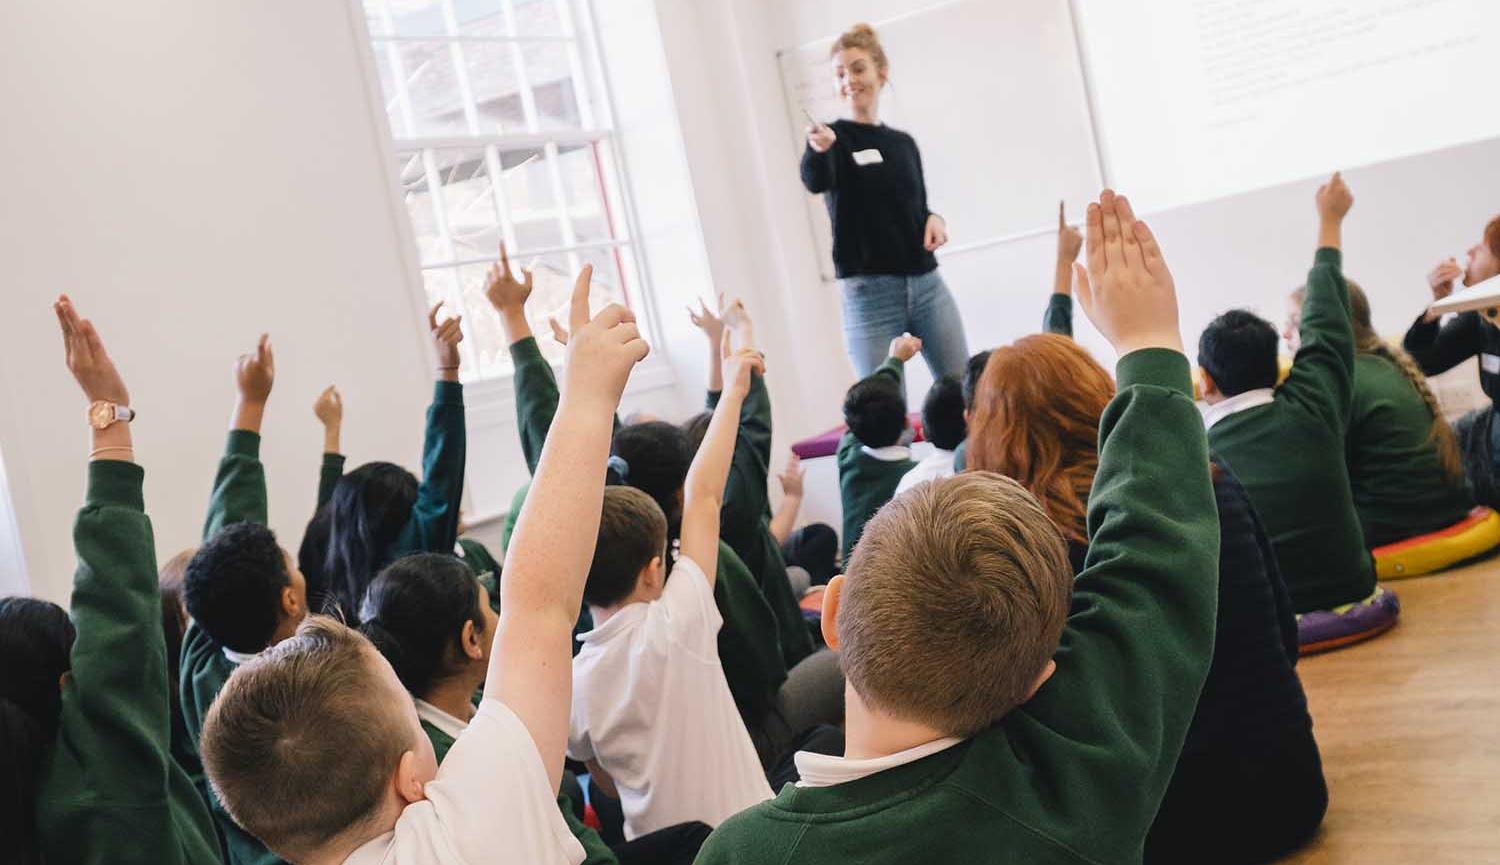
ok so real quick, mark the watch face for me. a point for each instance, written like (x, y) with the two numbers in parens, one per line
(101, 415)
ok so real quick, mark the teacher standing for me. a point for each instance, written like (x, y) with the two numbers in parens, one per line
(870, 176)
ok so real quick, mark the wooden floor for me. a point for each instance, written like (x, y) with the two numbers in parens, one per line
(1409, 727)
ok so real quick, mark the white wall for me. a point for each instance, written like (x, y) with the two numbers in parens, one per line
(194, 173)
(1245, 251)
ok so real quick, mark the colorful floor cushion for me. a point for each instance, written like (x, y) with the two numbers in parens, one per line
(1325, 630)
(827, 444)
(1469, 538)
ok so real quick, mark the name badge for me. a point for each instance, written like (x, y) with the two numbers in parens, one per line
(1490, 364)
(868, 157)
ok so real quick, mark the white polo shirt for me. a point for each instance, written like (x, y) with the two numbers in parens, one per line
(490, 802)
(651, 706)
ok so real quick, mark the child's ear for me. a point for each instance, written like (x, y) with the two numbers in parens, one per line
(1046, 674)
(469, 639)
(830, 621)
(408, 779)
(1210, 387)
(291, 605)
(656, 574)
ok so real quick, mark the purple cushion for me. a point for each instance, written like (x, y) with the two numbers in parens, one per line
(1322, 630)
(827, 444)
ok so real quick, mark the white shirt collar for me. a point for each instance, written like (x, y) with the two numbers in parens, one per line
(440, 719)
(1236, 404)
(823, 770)
(239, 658)
(889, 453)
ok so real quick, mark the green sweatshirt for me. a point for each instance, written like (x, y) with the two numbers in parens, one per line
(1074, 775)
(596, 852)
(329, 474)
(239, 496)
(1289, 454)
(1058, 317)
(1400, 489)
(110, 791)
(749, 648)
(433, 525)
(745, 521)
(867, 483)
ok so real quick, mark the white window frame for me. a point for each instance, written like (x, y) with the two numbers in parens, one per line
(492, 398)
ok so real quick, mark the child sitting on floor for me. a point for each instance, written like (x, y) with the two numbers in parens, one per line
(652, 714)
(1286, 443)
(872, 456)
(89, 774)
(944, 426)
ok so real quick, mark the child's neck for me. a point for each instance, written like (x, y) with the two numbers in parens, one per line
(641, 595)
(455, 696)
(869, 733)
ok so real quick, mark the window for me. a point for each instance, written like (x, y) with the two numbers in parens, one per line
(501, 131)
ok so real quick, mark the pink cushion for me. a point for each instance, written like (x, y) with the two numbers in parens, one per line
(827, 444)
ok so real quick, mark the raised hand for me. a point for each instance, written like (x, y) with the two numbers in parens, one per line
(1069, 239)
(1126, 290)
(792, 476)
(505, 292)
(738, 366)
(1440, 280)
(820, 137)
(87, 359)
(445, 339)
(905, 347)
(602, 349)
(708, 321)
(255, 372)
(1334, 198)
(329, 407)
(935, 234)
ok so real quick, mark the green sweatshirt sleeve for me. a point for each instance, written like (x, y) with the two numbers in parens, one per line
(747, 500)
(1322, 376)
(239, 494)
(536, 398)
(112, 791)
(894, 369)
(1106, 729)
(1058, 318)
(433, 526)
(329, 475)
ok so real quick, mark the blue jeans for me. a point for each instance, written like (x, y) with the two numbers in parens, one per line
(878, 308)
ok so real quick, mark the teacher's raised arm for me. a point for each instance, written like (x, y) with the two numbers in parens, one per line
(884, 235)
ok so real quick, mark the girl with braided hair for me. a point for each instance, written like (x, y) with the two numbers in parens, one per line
(1405, 467)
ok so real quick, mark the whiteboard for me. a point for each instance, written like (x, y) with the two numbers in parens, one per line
(995, 95)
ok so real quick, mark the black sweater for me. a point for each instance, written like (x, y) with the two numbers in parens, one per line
(879, 209)
(1438, 348)
(1253, 700)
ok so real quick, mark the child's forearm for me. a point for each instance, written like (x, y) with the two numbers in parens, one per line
(1330, 232)
(248, 415)
(513, 320)
(715, 368)
(710, 469)
(785, 518)
(331, 438)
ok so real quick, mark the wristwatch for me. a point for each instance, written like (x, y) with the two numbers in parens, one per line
(104, 414)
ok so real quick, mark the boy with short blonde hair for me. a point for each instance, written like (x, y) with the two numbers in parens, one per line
(983, 725)
(315, 747)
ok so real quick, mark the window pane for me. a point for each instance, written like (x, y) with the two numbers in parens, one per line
(496, 84)
(589, 207)
(426, 18)
(430, 82)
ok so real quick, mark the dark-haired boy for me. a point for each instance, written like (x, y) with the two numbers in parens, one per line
(1286, 443)
(872, 455)
(243, 592)
(945, 427)
(652, 713)
(992, 717)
